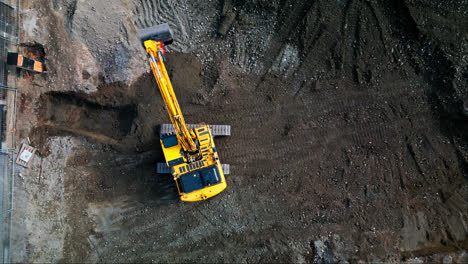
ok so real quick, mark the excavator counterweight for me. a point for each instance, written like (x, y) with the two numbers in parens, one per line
(190, 152)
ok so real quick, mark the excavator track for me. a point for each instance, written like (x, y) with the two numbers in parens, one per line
(216, 130)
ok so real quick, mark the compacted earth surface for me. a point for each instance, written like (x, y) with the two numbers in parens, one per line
(349, 132)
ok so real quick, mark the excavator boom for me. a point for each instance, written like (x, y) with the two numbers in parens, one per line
(184, 134)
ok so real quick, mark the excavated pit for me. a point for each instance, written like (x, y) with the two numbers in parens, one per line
(70, 113)
(73, 113)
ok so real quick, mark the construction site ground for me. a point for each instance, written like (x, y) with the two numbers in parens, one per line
(348, 120)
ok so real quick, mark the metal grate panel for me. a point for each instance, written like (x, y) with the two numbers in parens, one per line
(216, 130)
(162, 168)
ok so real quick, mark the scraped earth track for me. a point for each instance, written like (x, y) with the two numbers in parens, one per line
(347, 141)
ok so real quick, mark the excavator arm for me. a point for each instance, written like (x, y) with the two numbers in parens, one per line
(184, 134)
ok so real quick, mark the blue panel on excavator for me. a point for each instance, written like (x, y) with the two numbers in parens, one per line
(170, 141)
(191, 182)
(210, 176)
(199, 179)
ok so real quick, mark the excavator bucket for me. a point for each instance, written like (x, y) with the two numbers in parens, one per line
(160, 32)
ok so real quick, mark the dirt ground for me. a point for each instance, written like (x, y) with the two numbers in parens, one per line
(349, 132)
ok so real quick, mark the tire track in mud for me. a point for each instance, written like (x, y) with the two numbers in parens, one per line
(159, 220)
(340, 101)
(239, 53)
(381, 131)
(363, 134)
(141, 223)
(348, 11)
(378, 23)
(109, 215)
(250, 41)
(354, 46)
(284, 33)
(315, 28)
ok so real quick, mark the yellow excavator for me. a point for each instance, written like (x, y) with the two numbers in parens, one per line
(189, 150)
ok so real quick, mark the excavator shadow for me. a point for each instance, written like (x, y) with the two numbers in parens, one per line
(155, 189)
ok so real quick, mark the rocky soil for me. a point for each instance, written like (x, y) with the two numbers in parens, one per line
(348, 144)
